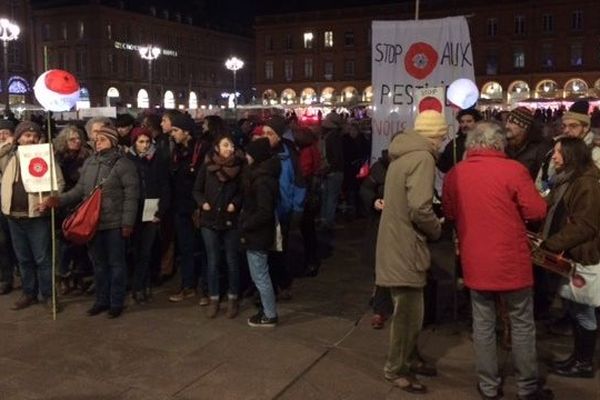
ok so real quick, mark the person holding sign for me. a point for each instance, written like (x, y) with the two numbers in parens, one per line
(118, 178)
(155, 192)
(21, 192)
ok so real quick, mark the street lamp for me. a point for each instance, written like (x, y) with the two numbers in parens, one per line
(8, 31)
(149, 53)
(234, 64)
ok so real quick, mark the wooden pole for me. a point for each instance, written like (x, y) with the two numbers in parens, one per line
(417, 3)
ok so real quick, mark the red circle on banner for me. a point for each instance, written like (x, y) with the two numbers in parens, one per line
(61, 82)
(578, 281)
(430, 103)
(420, 60)
(38, 167)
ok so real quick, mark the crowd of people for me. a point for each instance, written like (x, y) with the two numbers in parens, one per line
(505, 183)
(177, 195)
(236, 208)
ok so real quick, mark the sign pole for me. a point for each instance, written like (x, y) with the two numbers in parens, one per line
(52, 193)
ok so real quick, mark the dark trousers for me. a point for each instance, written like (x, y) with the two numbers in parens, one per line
(107, 252)
(278, 261)
(309, 236)
(32, 244)
(144, 237)
(7, 254)
(191, 248)
(382, 301)
(215, 243)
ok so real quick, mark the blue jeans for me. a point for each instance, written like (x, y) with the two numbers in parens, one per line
(107, 252)
(259, 271)
(143, 244)
(332, 188)
(584, 315)
(215, 242)
(520, 310)
(32, 244)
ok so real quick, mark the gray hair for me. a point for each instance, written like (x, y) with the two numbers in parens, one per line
(486, 135)
(60, 143)
(105, 121)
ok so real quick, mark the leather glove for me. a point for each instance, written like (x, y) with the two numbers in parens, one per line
(126, 231)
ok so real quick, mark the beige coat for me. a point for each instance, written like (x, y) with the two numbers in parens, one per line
(10, 174)
(407, 220)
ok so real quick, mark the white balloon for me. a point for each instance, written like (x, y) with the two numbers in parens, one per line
(463, 93)
(51, 100)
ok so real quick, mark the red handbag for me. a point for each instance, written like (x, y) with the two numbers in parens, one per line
(80, 226)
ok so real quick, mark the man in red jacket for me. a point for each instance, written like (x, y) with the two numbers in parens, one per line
(490, 197)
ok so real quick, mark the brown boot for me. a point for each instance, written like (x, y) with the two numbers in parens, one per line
(24, 301)
(213, 308)
(233, 308)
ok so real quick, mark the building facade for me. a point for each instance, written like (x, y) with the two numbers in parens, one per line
(99, 45)
(20, 53)
(538, 49)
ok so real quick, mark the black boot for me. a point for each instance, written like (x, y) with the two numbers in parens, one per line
(569, 361)
(583, 366)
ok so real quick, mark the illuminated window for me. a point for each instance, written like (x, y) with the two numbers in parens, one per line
(81, 30)
(576, 55)
(308, 40)
(519, 58)
(308, 68)
(289, 70)
(328, 39)
(268, 69)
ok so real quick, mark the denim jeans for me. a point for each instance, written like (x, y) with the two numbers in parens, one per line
(107, 252)
(144, 237)
(215, 243)
(584, 315)
(259, 271)
(332, 188)
(32, 244)
(520, 309)
(7, 254)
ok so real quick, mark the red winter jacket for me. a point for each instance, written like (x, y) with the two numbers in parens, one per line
(310, 160)
(490, 197)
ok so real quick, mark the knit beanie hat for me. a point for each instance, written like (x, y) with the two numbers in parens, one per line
(278, 124)
(27, 126)
(137, 132)
(259, 150)
(521, 116)
(183, 122)
(579, 112)
(431, 124)
(124, 120)
(7, 124)
(109, 133)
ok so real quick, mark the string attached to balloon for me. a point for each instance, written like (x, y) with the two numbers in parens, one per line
(57, 91)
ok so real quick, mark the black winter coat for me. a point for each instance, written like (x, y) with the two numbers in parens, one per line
(186, 163)
(209, 189)
(120, 188)
(453, 153)
(153, 174)
(261, 190)
(532, 155)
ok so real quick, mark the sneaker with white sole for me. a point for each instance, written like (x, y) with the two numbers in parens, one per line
(261, 321)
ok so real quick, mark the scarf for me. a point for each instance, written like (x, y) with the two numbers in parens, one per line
(147, 155)
(559, 187)
(224, 168)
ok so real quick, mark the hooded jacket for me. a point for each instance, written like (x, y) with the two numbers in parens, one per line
(407, 220)
(261, 190)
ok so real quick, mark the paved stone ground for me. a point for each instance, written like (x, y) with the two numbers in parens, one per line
(323, 349)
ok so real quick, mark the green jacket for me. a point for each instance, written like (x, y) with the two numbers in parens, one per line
(407, 219)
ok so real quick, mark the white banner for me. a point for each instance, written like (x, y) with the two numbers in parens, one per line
(410, 55)
(34, 161)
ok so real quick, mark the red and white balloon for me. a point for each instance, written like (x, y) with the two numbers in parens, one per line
(57, 90)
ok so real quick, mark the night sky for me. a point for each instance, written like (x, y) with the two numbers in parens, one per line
(235, 16)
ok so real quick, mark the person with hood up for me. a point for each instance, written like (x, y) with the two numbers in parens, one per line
(402, 256)
(257, 224)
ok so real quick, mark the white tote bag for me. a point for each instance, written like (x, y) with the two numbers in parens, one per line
(583, 286)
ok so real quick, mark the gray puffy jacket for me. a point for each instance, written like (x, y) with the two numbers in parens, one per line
(120, 188)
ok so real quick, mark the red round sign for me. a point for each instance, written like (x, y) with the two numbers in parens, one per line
(430, 103)
(38, 167)
(61, 82)
(420, 60)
